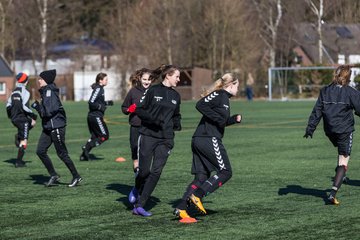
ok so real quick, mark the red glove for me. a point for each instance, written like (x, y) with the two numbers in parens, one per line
(132, 108)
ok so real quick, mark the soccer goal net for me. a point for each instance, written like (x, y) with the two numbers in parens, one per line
(289, 83)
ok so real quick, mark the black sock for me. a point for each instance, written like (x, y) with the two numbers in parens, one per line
(340, 173)
(21, 152)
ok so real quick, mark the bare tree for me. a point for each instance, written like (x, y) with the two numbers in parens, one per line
(318, 11)
(4, 6)
(271, 23)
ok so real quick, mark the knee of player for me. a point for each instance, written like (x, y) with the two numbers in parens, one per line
(227, 174)
(143, 173)
(104, 138)
(40, 152)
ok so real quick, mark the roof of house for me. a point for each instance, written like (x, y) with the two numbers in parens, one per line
(337, 39)
(5, 70)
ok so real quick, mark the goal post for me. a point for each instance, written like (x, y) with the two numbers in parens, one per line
(286, 83)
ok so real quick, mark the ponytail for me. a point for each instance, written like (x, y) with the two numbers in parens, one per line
(222, 82)
(99, 77)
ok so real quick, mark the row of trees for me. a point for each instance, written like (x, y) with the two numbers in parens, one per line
(223, 35)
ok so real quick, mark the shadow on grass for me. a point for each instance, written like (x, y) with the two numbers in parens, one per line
(42, 179)
(125, 190)
(13, 161)
(297, 189)
(352, 182)
(93, 157)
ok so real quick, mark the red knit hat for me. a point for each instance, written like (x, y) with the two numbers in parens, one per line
(22, 78)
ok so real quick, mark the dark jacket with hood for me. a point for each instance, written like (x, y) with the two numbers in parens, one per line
(215, 110)
(133, 96)
(51, 109)
(336, 105)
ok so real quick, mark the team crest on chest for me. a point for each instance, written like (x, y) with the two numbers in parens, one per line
(158, 98)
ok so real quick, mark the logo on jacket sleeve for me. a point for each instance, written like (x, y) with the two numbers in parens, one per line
(211, 97)
(174, 102)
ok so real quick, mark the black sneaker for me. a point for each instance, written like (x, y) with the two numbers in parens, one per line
(75, 181)
(52, 181)
(19, 164)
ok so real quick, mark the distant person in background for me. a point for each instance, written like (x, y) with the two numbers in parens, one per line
(249, 87)
(53, 118)
(209, 154)
(159, 111)
(21, 116)
(335, 105)
(95, 119)
(140, 81)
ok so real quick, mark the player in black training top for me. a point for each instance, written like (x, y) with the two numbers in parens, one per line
(21, 116)
(159, 111)
(140, 81)
(209, 154)
(95, 119)
(336, 105)
(53, 118)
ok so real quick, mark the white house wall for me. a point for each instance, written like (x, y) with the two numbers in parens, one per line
(83, 81)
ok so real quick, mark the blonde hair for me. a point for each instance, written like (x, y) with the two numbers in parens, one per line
(223, 82)
(342, 75)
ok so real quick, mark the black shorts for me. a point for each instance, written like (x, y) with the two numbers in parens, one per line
(209, 155)
(97, 127)
(343, 142)
(23, 128)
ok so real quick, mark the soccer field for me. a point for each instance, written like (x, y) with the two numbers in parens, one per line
(277, 190)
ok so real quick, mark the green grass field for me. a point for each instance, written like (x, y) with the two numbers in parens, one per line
(277, 190)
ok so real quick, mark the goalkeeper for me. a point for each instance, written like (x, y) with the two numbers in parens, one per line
(336, 104)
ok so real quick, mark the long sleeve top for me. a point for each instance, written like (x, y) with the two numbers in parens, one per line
(97, 103)
(17, 105)
(51, 109)
(159, 111)
(335, 105)
(133, 96)
(215, 110)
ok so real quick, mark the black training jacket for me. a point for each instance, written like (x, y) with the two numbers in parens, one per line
(215, 109)
(159, 111)
(17, 105)
(97, 103)
(51, 109)
(132, 97)
(335, 105)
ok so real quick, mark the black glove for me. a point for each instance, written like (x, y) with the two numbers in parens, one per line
(308, 134)
(36, 105)
(109, 103)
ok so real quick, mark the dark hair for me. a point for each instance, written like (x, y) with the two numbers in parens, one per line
(342, 75)
(99, 77)
(163, 70)
(135, 78)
